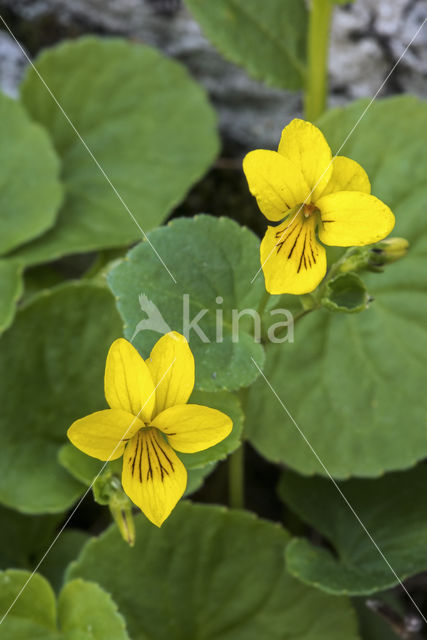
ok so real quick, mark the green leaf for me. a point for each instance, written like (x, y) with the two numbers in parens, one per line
(81, 466)
(51, 366)
(268, 39)
(85, 611)
(217, 574)
(147, 123)
(30, 191)
(355, 384)
(346, 293)
(393, 510)
(33, 612)
(11, 288)
(211, 259)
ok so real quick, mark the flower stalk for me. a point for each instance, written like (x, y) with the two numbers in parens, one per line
(236, 477)
(317, 55)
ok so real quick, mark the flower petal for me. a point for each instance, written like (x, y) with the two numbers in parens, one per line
(171, 365)
(153, 476)
(191, 427)
(305, 146)
(291, 258)
(347, 175)
(104, 434)
(351, 218)
(276, 183)
(128, 382)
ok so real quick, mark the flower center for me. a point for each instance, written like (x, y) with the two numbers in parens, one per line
(308, 210)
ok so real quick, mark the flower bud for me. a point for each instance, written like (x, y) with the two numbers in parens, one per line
(121, 510)
(388, 251)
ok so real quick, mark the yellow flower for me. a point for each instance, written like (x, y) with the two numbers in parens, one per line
(148, 418)
(314, 196)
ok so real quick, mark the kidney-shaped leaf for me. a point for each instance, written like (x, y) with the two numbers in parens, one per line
(267, 38)
(147, 123)
(51, 370)
(392, 508)
(30, 191)
(83, 612)
(212, 261)
(355, 384)
(217, 574)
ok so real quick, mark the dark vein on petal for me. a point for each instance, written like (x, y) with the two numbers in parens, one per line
(312, 252)
(279, 234)
(166, 456)
(163, 470)
(150, 468)
(302, 251)
(140, 437)
(132, 462)
(296, 240)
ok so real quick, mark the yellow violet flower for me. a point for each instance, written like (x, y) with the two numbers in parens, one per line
(148, 418)
(314, 196)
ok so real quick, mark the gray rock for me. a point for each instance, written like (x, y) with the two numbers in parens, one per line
(368, 37)
(12, 64)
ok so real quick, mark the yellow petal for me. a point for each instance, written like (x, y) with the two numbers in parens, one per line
(305, 146)
(191, 427)
(291, 258)
(104, 434)
(153, 476)
(128, 382)
(347, 175)
(276, 183)
(350, 218)
(171, 365)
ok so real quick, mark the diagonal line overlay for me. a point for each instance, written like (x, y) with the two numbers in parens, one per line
(343, 143)
(85, 145)
(40, 562)
(338, 488)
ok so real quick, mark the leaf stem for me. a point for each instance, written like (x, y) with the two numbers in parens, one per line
(236, 478)
(317, 54)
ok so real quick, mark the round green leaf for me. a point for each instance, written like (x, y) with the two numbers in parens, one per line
(30, 192)
(11, 288)
(85, 611)
(212, 261)
(51, 367)
(33, 615)
(355, 384)
(147, 123)
(267, 38)
(210, 573)
(392, 508)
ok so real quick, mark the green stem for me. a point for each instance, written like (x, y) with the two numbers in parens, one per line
(318, 50)
(236, 478)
